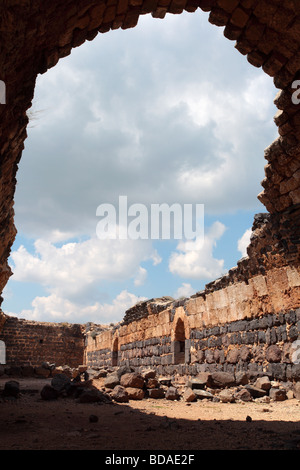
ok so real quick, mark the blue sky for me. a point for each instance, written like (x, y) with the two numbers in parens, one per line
(167, 112)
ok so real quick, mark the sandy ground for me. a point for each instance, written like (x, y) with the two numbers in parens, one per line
(30, 423)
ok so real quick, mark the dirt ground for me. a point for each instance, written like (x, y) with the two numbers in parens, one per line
(30, 423)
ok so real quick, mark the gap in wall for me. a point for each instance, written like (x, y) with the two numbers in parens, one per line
(167, 112)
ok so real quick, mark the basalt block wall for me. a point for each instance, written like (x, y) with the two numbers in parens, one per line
(249, 326)
(32, 343)
(36, 34)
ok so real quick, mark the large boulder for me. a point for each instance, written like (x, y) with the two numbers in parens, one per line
(120, 394)
(111, 380)
(132, 380)
(135, 393)
(156, 393)
(49, 393)
(222, 380)
(91, 396)
(11, 389)
(61, 382)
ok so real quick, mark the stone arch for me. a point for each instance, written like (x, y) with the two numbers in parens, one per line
(180, 342)
(265, 32)
(115, 351)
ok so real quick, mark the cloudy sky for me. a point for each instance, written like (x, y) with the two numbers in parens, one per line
(168, 112)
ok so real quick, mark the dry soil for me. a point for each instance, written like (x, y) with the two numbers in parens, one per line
(30, 423)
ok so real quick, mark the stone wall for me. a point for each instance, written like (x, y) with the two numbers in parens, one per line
(32, 343)
(266, 32)
(250, 326)
(266, 282)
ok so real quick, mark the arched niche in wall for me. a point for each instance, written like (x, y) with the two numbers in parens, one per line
(115, 352)
(180, 342)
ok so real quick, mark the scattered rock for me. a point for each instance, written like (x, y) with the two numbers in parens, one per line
(165, 381)
(93, 419)
(156, 393)
(124, 370)
(197, 383)
(91, 396)
(222, 379)
(11, 389)
(60, 382)
(148, 374)
(112, 380)
(120, 394)
(172, 394)
(248, 419)
(41, 371)
(135, 393)
(296, 390)
(263, 383)
(189, 395)
(203, 394)
(226, 396)
(49, 393)
(133, 380)
(241, 378)
(277, 394)
(243, 395)
(152, 383)
(255, 391)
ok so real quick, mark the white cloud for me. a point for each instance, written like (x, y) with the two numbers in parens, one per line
(185, 290)
(74, 270)
(54, 308)
(155, 123)
(244, 242)
(196, 260)
(140, 277)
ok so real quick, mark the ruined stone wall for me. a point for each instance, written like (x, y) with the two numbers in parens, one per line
(32, 343)
(35, 35)
(251, 325)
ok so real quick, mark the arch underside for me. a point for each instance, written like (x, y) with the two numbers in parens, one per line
(35, 34)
